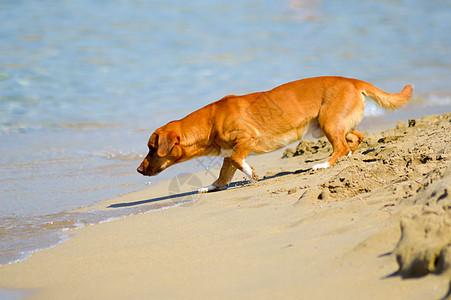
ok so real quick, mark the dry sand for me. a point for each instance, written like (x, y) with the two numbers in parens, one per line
(377, 225)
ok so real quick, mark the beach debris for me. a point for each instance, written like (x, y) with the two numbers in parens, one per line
(425, 243)
(307, 147)
(292, 191)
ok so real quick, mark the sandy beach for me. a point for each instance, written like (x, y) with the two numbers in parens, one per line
(377, 225)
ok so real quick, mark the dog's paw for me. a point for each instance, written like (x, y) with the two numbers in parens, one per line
(254, 177)
(323, 165)
(208, 188)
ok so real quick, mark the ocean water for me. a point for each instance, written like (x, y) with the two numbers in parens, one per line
(84, 83)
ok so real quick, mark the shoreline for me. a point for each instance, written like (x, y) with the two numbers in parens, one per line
(54, 225)
(291, 234)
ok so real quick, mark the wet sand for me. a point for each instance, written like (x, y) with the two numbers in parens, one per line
(377, 225)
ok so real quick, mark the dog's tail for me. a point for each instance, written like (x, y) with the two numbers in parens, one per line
(386, 100)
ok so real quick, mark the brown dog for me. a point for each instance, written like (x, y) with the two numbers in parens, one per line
(237, 126)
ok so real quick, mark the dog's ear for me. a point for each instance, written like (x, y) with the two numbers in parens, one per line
(166, 142)
(152, 144)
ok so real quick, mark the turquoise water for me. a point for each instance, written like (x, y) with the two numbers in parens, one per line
(83, 84)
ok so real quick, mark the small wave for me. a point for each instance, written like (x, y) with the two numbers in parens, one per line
(24, 236)
(431, 99)
(85, 125)
(119, 155)
(9, 129)
(428, 100)
(434, 99)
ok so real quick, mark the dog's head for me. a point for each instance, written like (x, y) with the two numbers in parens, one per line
(164, 151)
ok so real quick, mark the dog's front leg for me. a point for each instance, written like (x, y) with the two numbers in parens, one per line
(240, 152)
(248, 170)
(228, 169)
(236, 161)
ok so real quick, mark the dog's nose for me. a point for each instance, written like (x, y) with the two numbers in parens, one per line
(140, 169)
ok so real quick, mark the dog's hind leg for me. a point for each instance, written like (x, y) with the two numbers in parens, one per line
(338, 118)
(340, 148)
(354, 138)
(335, 131)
